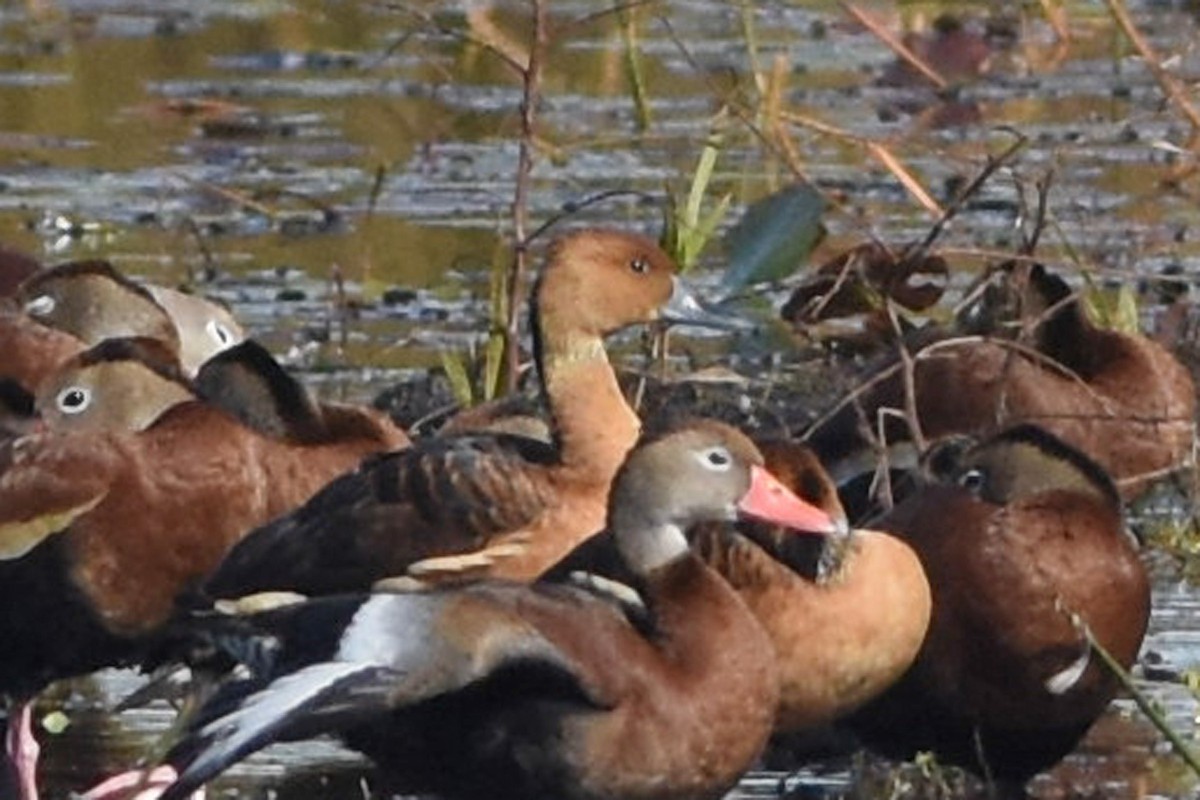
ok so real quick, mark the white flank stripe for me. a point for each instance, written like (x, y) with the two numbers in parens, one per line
(1062, 682)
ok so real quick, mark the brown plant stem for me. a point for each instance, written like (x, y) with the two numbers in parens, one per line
(514, 287)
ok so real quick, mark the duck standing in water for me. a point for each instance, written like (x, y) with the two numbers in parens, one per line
(500, 690)
(470, 505)
(1025, 547)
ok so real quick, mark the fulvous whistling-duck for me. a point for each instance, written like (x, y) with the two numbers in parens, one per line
(487, 503)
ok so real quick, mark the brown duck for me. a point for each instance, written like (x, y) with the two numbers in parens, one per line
(132, 491)
(1121, 398)
(59, 311)
(488, 503)
(504, 691)
(846, 612)
(1024, 544)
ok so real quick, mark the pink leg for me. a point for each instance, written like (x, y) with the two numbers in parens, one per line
(136, 785)
(23, 749)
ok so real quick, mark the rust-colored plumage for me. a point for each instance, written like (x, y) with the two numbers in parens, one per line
(507, 691)
(107, 515)
(846, 618)
(490, 503)
(1023, 541)
(1121, 398)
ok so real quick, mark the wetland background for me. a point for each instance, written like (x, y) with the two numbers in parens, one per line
(343, 175)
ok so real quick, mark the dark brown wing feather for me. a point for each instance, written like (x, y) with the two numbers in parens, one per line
(446, 497)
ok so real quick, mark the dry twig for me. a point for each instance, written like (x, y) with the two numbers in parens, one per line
(1171, 87)
(514, 287)
(898, 47)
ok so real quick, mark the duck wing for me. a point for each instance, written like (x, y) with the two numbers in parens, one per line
(383, 653)
(444, 497)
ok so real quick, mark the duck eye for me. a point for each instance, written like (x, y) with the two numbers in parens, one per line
(640, 265)
(40, 306)
(717, 459)
(73, 400)
(220, 334)
(972, 480)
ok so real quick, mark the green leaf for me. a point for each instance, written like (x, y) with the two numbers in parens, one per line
(773, 237)
(460, 381)
(1115, 309)
(701, 178)
(493, 361)
(689, 229)
(55, 722)
(708, 225)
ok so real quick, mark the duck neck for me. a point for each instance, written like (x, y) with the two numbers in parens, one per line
(594, 427)
(656, 547)
(1066, 335)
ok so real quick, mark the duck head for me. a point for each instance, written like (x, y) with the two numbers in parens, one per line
(701, 471)
(1019, 462)
(600, 281)
(205, 328)
(813, 558)
(119, 384)
(92, 301)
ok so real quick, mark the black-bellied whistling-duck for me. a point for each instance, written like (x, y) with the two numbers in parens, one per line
(59, 311)
(486, 503)
(121, 384)
(81, 303)
(503, 690)
(1023, 541)
(1121, 398)
(846, 612)
(127, 384)
(101, 527)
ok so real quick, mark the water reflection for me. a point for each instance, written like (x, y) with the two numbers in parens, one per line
(260, 149)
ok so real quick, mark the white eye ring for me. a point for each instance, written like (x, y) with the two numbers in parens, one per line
(41, 306)
(717, 459)
(222, 335)
(73, 400)
(972, 480)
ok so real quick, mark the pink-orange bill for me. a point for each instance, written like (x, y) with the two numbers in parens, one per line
(771, 501)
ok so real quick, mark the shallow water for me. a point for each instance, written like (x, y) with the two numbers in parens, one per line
(252, 150)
